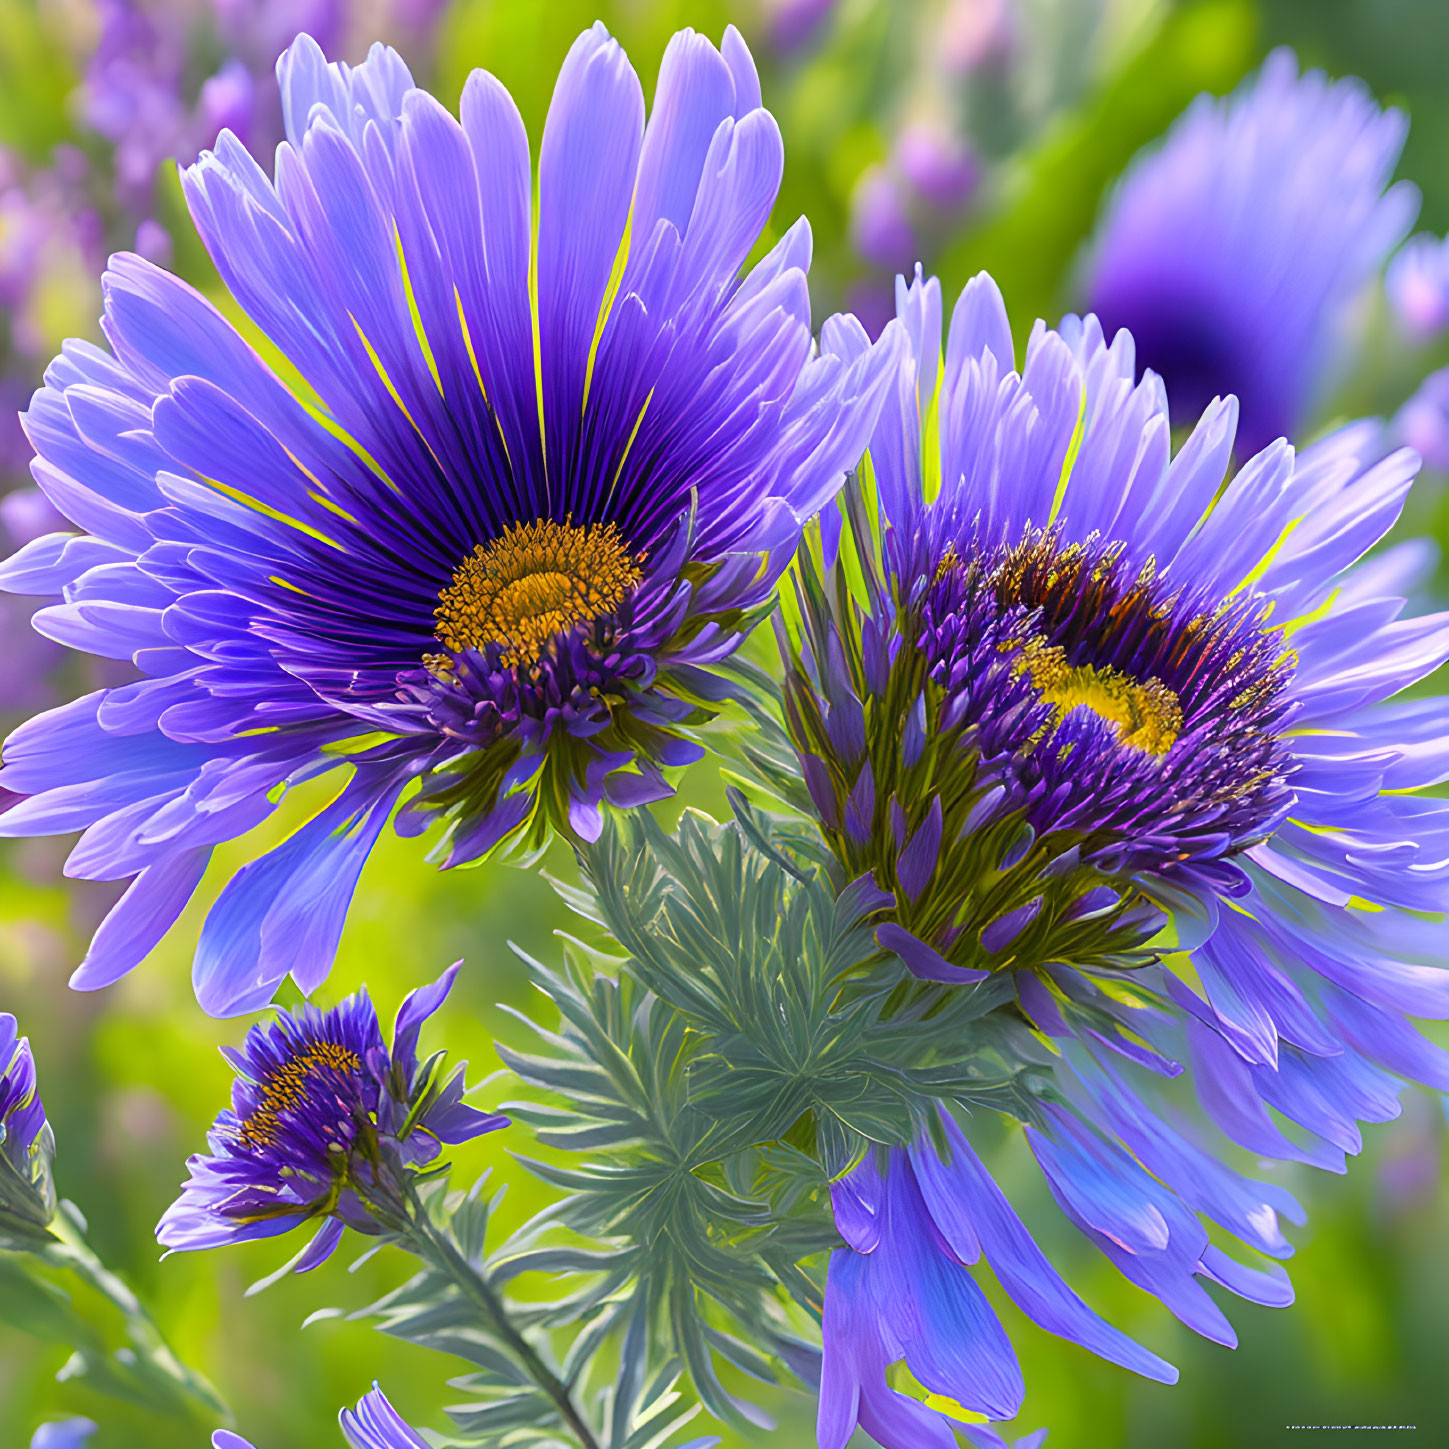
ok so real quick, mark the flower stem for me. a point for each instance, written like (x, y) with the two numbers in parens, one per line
(161, 1371)
(438, 1248)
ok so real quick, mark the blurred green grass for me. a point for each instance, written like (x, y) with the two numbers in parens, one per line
(132, 1076)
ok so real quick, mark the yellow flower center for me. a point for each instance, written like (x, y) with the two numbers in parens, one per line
(531, 584)
(1147, 716)
(286, 1088)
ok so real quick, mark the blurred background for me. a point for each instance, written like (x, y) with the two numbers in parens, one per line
(969, 133)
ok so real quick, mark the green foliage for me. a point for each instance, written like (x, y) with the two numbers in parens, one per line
(707, 1087)
(54, 1288)
(1029, 244)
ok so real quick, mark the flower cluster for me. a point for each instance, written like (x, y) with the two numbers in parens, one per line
(326, 1122)
(1093, 766)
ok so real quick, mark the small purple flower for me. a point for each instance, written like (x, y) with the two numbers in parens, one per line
(974, 33)
(791, 24)
(1417, 284)
(560, 469)
(374, 1424)
(63, 1434)
(1231, 250)
(880, 223)
(325, 1122)
(941, 167)
(1423, 421)
(27, 1194)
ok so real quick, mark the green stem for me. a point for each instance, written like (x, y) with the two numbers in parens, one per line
(440, 1250)
(73, 1253)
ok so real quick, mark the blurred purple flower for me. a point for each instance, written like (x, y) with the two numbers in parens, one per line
(1423, 421)
(974, 32)
(1231, 250)
(374, 1424)
(1418, 286)
(46, 220)
(227, 100)
(27, 514)
(792, 23)
(132, 94)
(879, 223)
(63, 1434)
(941, 167)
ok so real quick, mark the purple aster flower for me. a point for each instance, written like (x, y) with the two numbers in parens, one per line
(1122, 740)
(327, 1123)
(374, 1424)
(27, 1194)
(1417, 285)
(534, 491)
(1232, 250)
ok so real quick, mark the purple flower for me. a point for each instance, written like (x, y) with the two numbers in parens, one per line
(63, 1434)
(27, 1194)
(1417, 284)
(1232, 250)
(975, 32)
(494, 557)
(132, 95)
(374, 1424)
(900, 1289)
(1124, 742)
(793, 23)
(1423, 421)
(880, 224)
(940, 167)
(327, 1123)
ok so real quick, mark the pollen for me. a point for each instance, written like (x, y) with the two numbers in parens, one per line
(288, 1088)
(1148, 716)
(533, 583)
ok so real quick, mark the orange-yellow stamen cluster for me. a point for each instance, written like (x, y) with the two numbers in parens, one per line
(1147, 716)
(286, 1089)
(531, 584)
